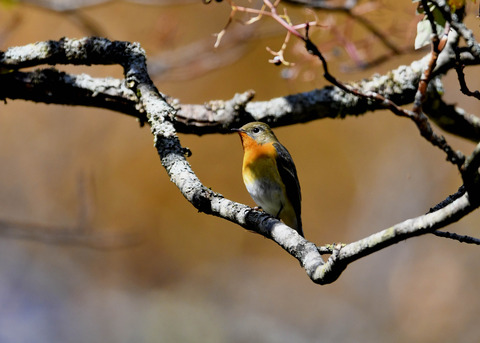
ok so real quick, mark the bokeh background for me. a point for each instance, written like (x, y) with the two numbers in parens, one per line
(101, 247)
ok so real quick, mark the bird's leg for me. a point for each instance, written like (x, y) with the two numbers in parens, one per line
(278, 213)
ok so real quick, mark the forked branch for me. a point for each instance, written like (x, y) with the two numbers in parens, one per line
(148, 103)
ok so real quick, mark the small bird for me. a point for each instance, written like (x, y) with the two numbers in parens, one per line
(270, 174)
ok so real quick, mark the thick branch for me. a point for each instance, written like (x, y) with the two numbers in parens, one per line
(162, 118)
(51, 86)
(328, 102)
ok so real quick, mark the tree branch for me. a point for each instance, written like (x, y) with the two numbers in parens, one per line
(161, 116)
(395, 234)
(457, 237)
(53, 86)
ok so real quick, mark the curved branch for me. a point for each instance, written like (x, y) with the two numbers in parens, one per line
(450, 117)
(409, 228)
(162, 118)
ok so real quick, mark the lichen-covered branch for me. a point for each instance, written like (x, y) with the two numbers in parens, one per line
(141, 99)
(409, 228)
(219, 116)
(51, 86)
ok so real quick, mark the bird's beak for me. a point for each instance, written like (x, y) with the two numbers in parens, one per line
(241, 133)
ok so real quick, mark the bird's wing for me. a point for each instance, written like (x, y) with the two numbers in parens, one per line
(288, 173)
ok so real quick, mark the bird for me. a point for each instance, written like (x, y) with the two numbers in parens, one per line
(270, 175)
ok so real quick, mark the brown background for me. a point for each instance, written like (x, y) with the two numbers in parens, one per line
(107, 250)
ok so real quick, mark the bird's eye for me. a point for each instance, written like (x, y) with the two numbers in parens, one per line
(256, 130)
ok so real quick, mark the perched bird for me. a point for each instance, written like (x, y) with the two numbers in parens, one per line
(270, 175)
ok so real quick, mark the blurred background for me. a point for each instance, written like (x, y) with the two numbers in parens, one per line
(99, 245)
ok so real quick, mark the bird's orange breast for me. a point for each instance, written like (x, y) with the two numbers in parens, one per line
(259, 160)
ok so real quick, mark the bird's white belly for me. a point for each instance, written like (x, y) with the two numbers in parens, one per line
(267, 194)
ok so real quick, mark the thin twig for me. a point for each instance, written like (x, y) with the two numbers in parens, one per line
(347, 9)
(457, 237)
(420, 120)
(463, 84)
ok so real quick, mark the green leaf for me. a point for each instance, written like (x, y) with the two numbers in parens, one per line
(424, 32)
(424, 29)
